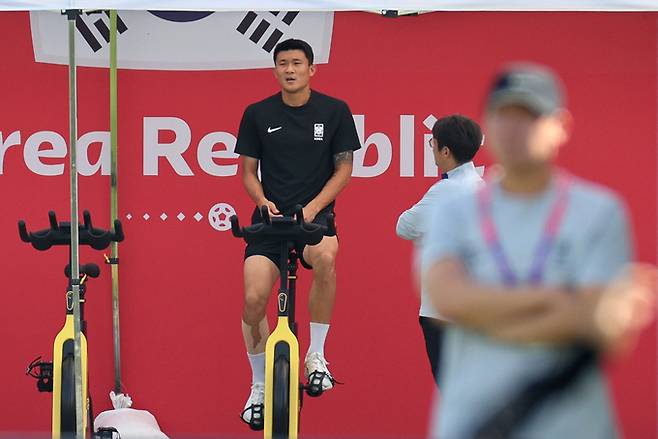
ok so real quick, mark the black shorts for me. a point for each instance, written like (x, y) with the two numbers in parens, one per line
(272, 250)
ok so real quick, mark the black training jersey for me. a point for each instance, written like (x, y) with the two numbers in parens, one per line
(296, 145)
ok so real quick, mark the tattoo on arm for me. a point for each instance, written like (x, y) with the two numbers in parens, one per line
(343, 157)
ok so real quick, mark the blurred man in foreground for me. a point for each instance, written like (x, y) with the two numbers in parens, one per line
(536, 266)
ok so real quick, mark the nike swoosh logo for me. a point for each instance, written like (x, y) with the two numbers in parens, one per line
(270, 130)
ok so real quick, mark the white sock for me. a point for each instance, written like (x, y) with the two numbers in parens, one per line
(257, 362)
(318, 336)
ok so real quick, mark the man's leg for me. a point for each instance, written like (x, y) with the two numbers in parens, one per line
(432, 331)
(260, 274)
(321, 304)
(323, 289)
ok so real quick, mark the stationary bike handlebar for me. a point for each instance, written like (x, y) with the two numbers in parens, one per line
(285, 228)
(60, 234)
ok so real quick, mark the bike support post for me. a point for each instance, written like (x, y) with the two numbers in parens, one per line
(72, 15)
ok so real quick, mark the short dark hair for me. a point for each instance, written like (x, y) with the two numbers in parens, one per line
(460, 134)
(294, 44)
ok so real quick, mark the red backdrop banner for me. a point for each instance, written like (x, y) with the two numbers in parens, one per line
(181, 280)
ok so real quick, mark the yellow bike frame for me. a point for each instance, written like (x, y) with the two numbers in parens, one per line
(282, 334)
(63, 336)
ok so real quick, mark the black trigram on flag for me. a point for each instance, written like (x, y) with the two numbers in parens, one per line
(262, 27)
(102, 28)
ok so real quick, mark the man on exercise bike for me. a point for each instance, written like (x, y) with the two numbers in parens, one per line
(303, 141)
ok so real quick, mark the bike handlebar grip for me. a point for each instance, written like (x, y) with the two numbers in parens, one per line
(22, 231)
(265, 214)
(235, 226)
(86, 217)
(331, 225)
(299, 214)
(118, 231)
(98, 239)
(41, 239)
(52, 218)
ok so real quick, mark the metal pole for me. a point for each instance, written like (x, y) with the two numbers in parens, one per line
(114, 261)
(75, 256)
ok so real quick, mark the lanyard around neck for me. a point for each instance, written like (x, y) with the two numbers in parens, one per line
(546, 242)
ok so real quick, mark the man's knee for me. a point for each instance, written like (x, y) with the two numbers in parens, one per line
(255, 300)
(324, 263)
(255, 306)
(256, 295)
(258, 282)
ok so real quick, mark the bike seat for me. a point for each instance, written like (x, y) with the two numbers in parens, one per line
(91, 270)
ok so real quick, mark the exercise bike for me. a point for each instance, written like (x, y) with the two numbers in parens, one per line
(58, 377)
(283, 390)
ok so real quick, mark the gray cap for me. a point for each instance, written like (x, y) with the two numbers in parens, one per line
(531, 86)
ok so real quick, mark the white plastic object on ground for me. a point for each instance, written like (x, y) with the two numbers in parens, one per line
(121, 401)
(130, 423)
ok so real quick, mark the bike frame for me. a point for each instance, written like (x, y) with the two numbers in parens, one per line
(282, 347)
(283, 342)
(63, 346)
(71, 340)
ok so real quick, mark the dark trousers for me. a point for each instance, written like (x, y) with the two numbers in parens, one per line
(432, 331)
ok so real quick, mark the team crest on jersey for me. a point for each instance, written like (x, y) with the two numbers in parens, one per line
(318, 131)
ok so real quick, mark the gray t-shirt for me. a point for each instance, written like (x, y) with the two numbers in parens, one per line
(479, 374)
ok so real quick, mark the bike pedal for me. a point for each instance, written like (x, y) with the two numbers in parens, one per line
(257, 425)
(42, 371)
(256, 422)
(106, 433)
(314, 390)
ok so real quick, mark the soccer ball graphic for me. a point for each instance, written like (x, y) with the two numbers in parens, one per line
(219, 216)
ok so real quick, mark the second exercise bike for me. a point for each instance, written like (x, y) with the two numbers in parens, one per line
(58, 376)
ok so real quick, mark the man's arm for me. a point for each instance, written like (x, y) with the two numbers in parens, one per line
(411, 224)
(337, 182)
(601, 311)
(481, 307)
(607, 316)
(610, 316)
(252, 184)
(406, 227)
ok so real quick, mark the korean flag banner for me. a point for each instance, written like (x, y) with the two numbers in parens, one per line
(171, 40)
